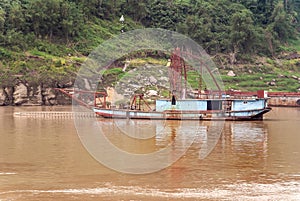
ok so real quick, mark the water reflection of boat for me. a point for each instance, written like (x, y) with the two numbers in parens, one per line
(140, 136)
(248, 132)
(207, 137)
(247, 141)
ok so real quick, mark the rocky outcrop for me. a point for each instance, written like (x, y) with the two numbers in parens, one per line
(23, 94)
(20, 94)
(2, 97)
(143, 79)
(231, 73)
(6, 96)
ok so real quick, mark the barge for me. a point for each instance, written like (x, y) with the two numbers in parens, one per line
(250, 108)
(211, 104)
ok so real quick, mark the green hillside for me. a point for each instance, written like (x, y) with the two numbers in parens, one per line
(43, 42)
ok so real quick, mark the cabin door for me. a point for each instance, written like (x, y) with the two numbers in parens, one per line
(214, 105)
(227, 105)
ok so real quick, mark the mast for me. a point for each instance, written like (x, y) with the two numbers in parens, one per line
(177, 75)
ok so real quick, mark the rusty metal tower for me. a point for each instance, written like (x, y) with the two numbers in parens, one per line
(177, 75)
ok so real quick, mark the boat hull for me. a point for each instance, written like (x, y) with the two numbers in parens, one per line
(255, 114)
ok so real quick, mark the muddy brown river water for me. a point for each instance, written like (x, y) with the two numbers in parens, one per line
(44, 159)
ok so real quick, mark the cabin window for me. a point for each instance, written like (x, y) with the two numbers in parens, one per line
(214, 105)
(245, 102)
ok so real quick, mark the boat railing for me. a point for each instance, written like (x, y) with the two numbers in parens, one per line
(210, 94)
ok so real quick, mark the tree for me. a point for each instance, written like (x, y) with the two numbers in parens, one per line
(261, 9)
(70, 20)
(280, 25)
(242, 32)
(161, 14)
(2, 20)
(292, 8)
(208, 23)
(15, 18)
(136, 9)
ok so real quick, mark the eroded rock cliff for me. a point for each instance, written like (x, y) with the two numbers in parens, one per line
(23, 94)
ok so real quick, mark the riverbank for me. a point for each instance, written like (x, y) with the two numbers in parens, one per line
(282, 99)
(273, 76)
(51, 97)
(24, 95)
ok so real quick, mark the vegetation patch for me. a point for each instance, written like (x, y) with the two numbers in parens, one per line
(44, 42)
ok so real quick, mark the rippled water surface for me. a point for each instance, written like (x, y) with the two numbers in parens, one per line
(43, 159)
